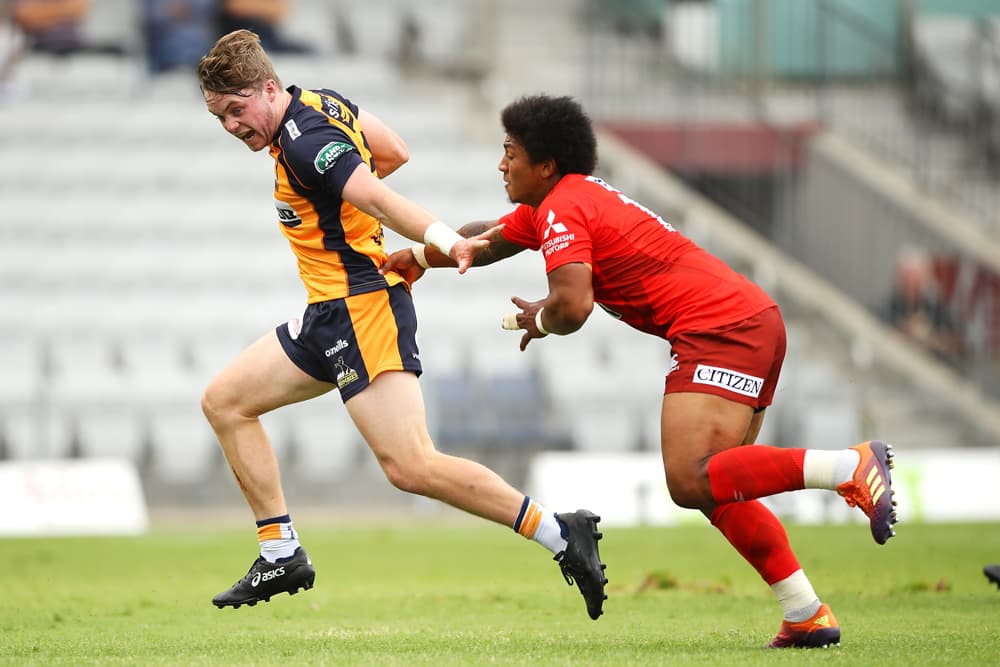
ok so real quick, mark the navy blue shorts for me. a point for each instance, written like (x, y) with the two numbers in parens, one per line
(349, 341)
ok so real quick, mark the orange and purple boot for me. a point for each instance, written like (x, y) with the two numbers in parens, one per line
(871, 488)
(820, 631)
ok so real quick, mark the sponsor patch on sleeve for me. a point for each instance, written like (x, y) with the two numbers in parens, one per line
(329, 154)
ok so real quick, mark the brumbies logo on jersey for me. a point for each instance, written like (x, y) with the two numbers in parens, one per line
(286, 214)
(329, 154)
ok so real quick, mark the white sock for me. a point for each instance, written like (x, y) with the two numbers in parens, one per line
(277, 538)
(796, 595)
(534, 523)
(274, 550)
(827, 469)
(549, 534)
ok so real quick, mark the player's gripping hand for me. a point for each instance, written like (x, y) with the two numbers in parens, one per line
(464, 252)
(405, 264)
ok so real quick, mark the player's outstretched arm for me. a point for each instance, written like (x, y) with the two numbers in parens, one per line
(411, 262)
(388, 148)
(498, 248)
(374, 197)
(564, 310)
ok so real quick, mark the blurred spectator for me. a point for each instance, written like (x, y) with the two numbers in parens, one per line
(11, 47)
(916, 307)
(263, 17)
(54, 26)
(634, 17)
(178, 32)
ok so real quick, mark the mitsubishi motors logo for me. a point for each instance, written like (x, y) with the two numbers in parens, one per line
(556, 237)
(557, 227)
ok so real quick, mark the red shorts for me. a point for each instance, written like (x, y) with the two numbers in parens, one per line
(739, 361)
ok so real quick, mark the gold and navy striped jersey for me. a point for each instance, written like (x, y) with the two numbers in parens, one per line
(318, 146)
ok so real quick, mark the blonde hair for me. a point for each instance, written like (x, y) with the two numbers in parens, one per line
(236, 62)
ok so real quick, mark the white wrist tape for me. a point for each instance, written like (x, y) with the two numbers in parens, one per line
(418, 254)
(441, 236)
(509, 322)
(538, 322)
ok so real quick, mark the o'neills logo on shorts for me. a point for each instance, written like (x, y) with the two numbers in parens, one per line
(740, 383)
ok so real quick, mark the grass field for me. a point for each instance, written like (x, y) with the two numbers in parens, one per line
(460, 592)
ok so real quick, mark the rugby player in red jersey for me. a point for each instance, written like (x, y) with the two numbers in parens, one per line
(727, 341)
(358, 331)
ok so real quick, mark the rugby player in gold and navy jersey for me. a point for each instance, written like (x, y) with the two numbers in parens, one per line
(358, 331)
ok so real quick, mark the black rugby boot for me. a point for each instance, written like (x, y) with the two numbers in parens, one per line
(265, 580)
(992, 573)
(581, 561)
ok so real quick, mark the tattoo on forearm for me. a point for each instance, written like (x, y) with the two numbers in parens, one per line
(474, 228)
(499, 248)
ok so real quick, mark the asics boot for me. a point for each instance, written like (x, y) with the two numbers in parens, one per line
(581, 561)
(820, 631)
(871, 488)
(265, 579)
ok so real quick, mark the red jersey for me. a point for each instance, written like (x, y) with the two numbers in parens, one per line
(645, 272)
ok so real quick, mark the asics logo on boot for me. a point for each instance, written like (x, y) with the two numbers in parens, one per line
(259, 577)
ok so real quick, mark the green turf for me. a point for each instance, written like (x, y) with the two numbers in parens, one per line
(469, 593)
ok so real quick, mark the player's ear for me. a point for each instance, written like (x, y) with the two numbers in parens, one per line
(549, 168)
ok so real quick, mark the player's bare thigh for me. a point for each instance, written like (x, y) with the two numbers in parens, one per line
(693, 427)
(391, 417)
(260, 379)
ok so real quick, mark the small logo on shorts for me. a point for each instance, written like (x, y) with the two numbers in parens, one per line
(341, 344)
(345, 374)
(674, 364)
(295, 325)
(740, 383)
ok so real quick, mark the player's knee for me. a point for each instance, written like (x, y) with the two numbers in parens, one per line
(689, 491)
(217, 405)
(409, 476)
(211, 405)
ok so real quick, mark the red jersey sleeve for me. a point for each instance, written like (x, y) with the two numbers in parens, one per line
(558, 228)
(519, 227)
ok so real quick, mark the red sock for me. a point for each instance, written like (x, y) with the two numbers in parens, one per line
(759, 537)
(754, 471)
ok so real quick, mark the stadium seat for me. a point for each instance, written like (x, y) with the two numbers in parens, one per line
(523, 413)
(39, 432)
(602, 426)
(324, 443)
(183, 448)
(455, 411)
(210, 352)
(111, 432)
(22, 360)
